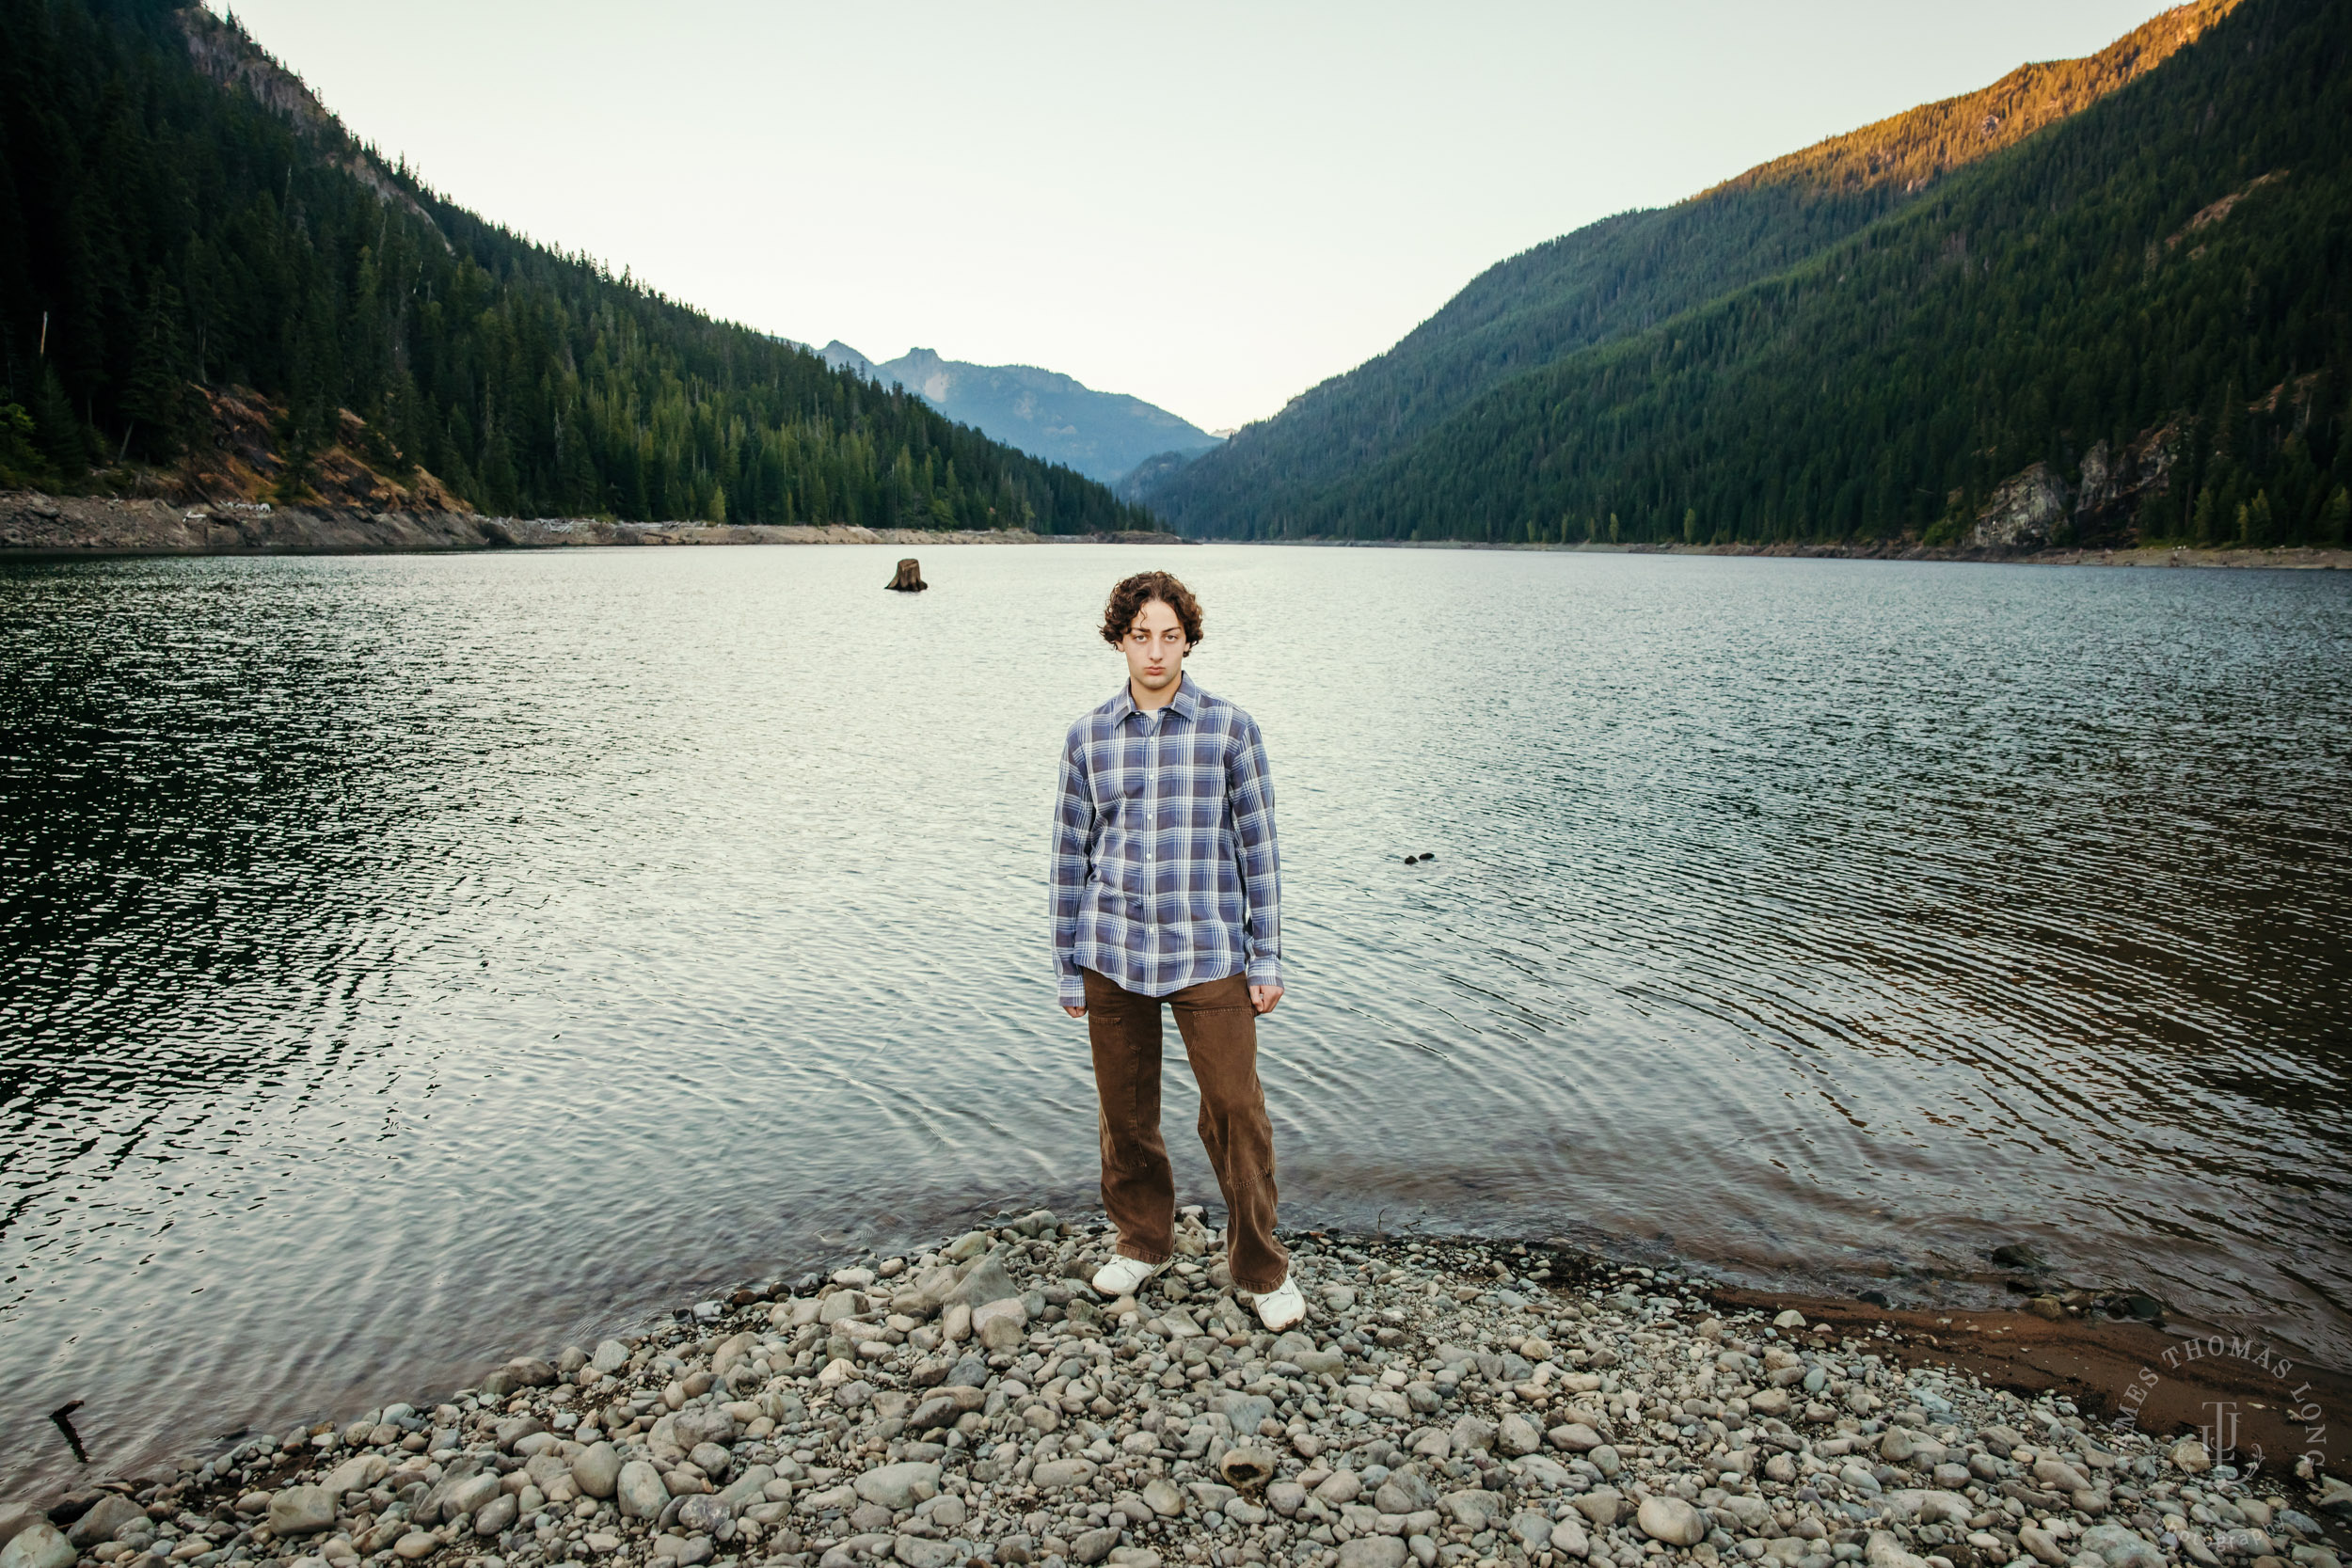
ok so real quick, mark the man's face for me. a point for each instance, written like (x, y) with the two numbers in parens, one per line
(1155, 647)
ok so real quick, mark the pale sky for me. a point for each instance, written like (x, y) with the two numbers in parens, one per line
(1210, 206)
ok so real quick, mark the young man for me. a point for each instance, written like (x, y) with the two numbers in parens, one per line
(1167, 889)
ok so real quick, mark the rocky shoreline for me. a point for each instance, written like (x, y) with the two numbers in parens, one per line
(2299, 558)
(35, 524)
(1447, 1401)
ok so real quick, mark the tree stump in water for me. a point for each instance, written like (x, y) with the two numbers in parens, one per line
(910, 577)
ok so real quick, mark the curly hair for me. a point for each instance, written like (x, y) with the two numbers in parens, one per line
(1128, 599)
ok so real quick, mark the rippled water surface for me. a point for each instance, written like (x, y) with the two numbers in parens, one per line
(408, 962)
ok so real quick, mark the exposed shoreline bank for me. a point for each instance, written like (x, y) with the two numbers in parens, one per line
(2283, 558)
(35, 526)
(1448, 1402)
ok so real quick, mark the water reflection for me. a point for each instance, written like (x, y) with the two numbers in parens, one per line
(413, 962)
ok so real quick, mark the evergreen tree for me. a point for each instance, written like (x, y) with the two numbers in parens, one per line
(158, 400)
(2171, 266)
(172, 229)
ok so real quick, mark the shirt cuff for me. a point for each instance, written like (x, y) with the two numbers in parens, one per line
(1265, 971)
(1072, 991)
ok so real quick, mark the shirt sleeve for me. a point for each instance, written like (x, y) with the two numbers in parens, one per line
(1074, 837)
(1250, 786)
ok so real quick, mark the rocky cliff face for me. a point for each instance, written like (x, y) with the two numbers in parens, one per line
(2115, 484)
(2024, 512)
(241, 462)
(224, 51)
(2031, 509)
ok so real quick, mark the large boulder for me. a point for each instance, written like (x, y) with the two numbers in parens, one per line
(497, 1515)
(547, 1470)
(103, 1518)
(2022, 511)
(457, 1496)
(946, 1406)
(308, 1509)
(529, 1371)
(1245, 1412)
(2121, 1547)
(357, 1473)
(704, 1514)
(985, 1281)
(897, 1486)
(516, 1428)
(936, 1286)
(15, 1519)
(999, 1324)
(640, 1491)
(1885, 1551)
(39, 1545)
(752, 1487)
(1671, 1521)
(733, 1351)
(1534, 1531)
(1055, 1474)
(596, 1470)
(708, 1424)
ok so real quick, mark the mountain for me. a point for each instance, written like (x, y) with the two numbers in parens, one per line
(188, 237)
(1624, 275)
(840, 355)
(2135, 326)
(1044, 413)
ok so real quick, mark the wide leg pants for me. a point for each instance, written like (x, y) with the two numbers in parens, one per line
(1220, 1034)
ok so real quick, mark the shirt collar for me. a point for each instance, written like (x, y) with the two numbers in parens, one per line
(1186, 701)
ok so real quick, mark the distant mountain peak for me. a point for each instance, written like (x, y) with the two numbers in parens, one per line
(841, 355)
(1103, 435)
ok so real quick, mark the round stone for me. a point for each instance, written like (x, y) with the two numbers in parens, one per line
(1671, 1521)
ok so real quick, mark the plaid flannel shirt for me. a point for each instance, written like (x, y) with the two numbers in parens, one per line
(1165, 871)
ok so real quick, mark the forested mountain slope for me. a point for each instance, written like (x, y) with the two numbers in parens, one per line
(2135, 325)
(179, 215)
(1625, 274)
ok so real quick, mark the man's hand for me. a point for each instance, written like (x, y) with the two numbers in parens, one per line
(1265, 997)
(1073, 1012)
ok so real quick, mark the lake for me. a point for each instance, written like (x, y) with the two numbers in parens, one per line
(414, 961)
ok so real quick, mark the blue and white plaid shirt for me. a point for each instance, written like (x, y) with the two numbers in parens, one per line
(1165, 869)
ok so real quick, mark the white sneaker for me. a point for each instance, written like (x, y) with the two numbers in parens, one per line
(1282, 1307)
(1122, 1276)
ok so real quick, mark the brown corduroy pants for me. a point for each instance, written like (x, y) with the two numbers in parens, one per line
(1220, 1032)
